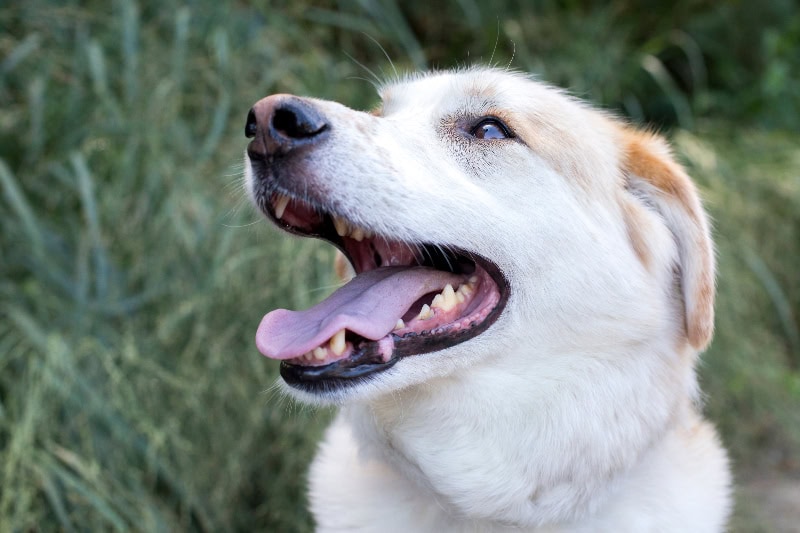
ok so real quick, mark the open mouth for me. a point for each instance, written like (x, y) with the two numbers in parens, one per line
(406, 299)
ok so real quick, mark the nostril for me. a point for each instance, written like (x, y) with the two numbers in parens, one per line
(251, 126)
(297, 122)
(281, 123)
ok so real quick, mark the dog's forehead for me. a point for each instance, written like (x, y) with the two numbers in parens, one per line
(574, 138)
(469, 91)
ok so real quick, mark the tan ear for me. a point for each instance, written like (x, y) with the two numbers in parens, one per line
(667, 188)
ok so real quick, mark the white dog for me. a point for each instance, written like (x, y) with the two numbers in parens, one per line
(516, 352)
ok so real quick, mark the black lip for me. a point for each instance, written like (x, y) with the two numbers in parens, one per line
(367, 361)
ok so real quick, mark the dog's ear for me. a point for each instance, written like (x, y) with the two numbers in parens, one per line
(661, 184)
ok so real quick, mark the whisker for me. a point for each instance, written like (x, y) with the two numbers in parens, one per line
(374, 85)
(360, 64)
(370, 37)
(496, 40)
(513, 53)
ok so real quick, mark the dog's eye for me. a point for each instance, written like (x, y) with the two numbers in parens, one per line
(490, 128)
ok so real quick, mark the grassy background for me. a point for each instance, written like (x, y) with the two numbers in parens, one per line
(133, 272)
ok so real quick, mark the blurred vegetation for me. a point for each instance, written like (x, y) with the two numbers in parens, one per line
(133, 272)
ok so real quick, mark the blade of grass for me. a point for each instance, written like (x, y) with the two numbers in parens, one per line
(20, 206)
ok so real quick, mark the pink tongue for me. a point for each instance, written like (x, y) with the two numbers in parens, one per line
(369, 305)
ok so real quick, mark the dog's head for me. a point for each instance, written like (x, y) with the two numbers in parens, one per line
(486, 216)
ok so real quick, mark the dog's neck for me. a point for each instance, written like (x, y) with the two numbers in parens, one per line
(546, 469)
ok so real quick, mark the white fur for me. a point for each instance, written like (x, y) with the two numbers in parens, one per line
(576, 411)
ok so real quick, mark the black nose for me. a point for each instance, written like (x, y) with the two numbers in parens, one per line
(279, 124)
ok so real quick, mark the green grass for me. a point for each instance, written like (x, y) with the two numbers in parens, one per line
(134, 272)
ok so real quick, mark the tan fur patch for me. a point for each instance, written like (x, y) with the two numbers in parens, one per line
(661, 172)
(646, 157)
(549, 143)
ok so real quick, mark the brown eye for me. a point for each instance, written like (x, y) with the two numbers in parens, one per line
(491, 128)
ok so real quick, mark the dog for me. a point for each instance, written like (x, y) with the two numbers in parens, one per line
(516, 352)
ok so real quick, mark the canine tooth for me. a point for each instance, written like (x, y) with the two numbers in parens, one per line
(320, 353)
(280, 205)
(357, 234)
(400, 324)
(337, 344)
(341, 226)
(438, 301)
(425, 312)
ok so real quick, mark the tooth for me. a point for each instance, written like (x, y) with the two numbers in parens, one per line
(320, 353)
(280, 205)
(425, 313)
(438, 301)
(448, 298)
(340, 225)
(337, 344)
(400, 324)
(358, 234)
(460, 297)
(473, 280)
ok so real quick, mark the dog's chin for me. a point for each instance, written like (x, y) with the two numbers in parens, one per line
(407, 373)
(408, 301)
(357, 390)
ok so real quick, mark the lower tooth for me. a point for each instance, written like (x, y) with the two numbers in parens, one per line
(425, 313)
(400, 324)
(337, 344)
(319, 353)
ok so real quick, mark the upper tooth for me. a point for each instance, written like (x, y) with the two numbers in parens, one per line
(340, 225)
(280, 205)
(358, 234)
(337, 343)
